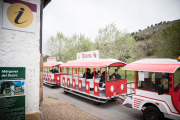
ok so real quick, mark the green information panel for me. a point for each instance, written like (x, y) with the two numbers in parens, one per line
(12, 108)
(12, 98)
(12, 73)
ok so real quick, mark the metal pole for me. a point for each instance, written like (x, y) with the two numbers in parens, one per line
(94, 74)
(78, 77)
(105, 78)
(72, 73)
(85, 76)
(125, 75)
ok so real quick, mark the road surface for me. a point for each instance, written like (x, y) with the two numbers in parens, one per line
(108, 111)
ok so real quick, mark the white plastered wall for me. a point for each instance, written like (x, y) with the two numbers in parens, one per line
(21, 49)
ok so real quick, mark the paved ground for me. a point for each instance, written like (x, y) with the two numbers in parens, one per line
(108, 111)
(58, 110)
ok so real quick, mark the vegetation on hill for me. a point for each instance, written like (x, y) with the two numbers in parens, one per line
(162, 42)
(166, 44)
(111, 43)
(152, 29)
(159, 41)
(65, 48)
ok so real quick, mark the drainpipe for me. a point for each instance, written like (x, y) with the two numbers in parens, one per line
(41, 64)
(41, 22)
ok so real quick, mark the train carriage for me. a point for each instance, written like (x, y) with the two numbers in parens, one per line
(49, 78)
(157, 88)
(76, 84)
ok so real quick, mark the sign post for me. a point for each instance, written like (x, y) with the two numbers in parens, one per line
(12, 98)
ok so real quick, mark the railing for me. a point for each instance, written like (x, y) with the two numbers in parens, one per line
(130, 88)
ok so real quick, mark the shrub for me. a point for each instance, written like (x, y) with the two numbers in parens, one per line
(141, 37)
(149, 52)
(148, 49)
(136, 37)
(147, 36)
(132, 33)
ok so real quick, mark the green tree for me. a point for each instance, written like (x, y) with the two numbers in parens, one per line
(66, 47)
(167, 43)
(45, 58)
(113, 43)
(55, 45)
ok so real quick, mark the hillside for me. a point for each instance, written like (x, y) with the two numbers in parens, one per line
(144, 39)
(152, 29)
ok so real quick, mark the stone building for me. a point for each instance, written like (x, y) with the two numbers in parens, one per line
(21, 46)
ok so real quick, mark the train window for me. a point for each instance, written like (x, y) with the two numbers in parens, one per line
(150, 80)
(177, 80)
(115, 73)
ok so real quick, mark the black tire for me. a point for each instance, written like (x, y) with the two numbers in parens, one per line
(113, 99)
(91, 89)
(96, 103)
(65, 92)
(152, 113)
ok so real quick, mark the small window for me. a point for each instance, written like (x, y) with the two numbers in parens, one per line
(177, 80)
(115, 73)
(150, 80)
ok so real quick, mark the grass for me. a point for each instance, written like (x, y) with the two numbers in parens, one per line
(177, 77)
(52, 97)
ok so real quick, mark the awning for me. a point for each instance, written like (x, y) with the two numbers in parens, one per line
(153, 67)
(52, 64)
(97, 63)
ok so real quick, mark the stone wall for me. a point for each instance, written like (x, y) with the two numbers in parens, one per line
(21, 49)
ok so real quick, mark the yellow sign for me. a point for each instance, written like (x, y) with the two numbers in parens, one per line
(20, 15)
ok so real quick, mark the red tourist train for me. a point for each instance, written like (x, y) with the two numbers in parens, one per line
(156, 90)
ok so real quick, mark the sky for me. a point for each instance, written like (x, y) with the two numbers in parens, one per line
(18, 83)
(88, 16)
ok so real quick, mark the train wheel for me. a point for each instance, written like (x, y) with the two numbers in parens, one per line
(65, 92)
(113, 99)
(96, 103)
(152, 113)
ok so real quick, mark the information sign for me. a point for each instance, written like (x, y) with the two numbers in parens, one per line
(12, 73)
(141, 76)
(88, 55)
(12, 98)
